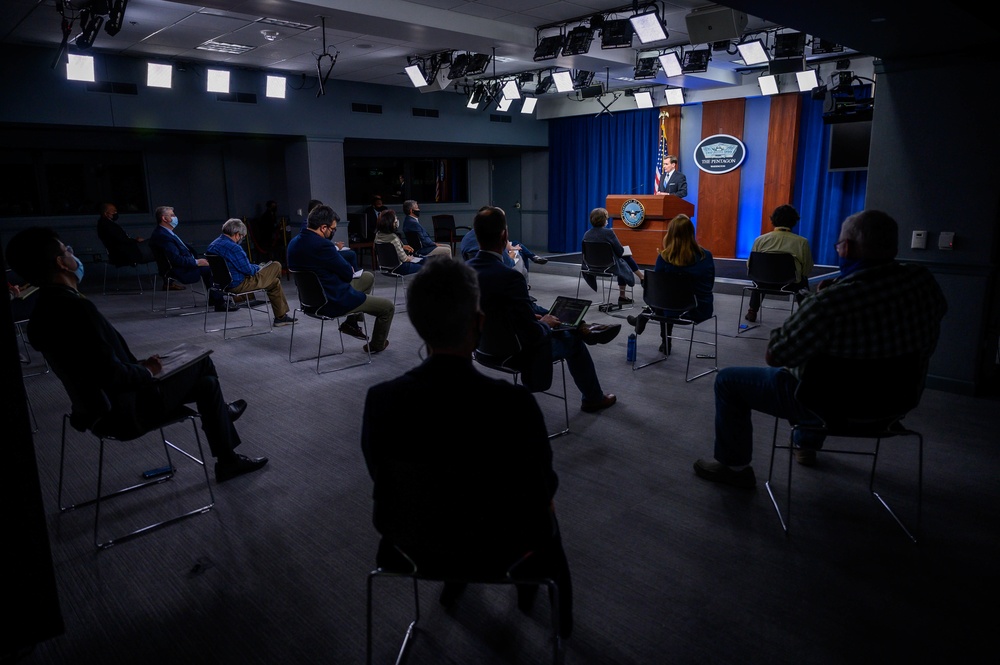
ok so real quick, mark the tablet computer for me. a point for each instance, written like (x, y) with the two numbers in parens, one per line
(569, 311)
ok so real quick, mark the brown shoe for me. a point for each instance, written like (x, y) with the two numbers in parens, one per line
(599, 333)
(353, 329)
(751, 315)
(373, 348)
(805, 456)
(174, 286)
(597, 405)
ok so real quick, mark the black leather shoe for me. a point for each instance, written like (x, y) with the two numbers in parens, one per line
(599, 333)
(639, 322)
(450, 593)
(236, 409)
(597, 405)
(237, 467)
(539, 260)
(720, 473)
(226, 306)
(353, 329)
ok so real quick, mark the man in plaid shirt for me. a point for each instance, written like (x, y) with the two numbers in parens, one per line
(877, 308)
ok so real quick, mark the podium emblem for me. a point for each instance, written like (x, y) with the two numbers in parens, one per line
(633, 213)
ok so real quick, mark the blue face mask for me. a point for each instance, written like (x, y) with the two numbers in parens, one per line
(79, 270)
(847, 266)
(174, 221)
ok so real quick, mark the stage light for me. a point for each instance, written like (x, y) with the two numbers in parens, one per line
(806, 79)
(644, 100)
(582, 78)
(753, 52)
(510, 90)
(789, 44)
(275, 87)
(529, 105)
(768, 84)
(578, 41)
(822, 47)
(671, 64)
(696, 61)
(116, 16)
(563, 81)
(159, 76)
(475, 98)
(478, 62)
(218, 81)
(459, 65)
(548, 47)
(80, 68)
(646, 68)
(648, 27)
(504, 104)
(674, 96)
(617, 34)
(416, 73)
(544, 84)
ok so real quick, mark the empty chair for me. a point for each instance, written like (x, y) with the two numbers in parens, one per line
(772, 274)
(312, 298)
(446, 231)
(118, 262)
(671, 298)
(221, 279)
(881, 394)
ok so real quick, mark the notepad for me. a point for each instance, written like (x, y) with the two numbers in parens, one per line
(179, 357)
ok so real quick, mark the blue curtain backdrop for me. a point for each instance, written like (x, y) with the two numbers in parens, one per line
(591, 157)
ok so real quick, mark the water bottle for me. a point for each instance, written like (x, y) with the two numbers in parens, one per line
(630, 352)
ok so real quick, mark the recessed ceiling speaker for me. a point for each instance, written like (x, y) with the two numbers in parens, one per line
(713, 24)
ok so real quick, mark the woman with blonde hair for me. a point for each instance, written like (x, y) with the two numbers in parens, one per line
(682, 254)
(386, 228)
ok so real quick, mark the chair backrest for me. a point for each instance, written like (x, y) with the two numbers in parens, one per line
(771, 267)
(669, 291)
(412, 239)
(356, 226)
(877, 393)
(444, 227)
(311, 294)
(221, 277)
(388, 260)
(598, 255)
(498, 340)
(162, 263)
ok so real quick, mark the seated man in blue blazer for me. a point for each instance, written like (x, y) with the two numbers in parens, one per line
(184, 266)
(505, 302)
(412, 226)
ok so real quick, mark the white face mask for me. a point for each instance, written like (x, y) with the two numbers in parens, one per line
(174, 221)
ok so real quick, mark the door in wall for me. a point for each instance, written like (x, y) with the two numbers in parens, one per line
(505, 191)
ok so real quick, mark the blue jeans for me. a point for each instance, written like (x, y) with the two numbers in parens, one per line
(568, 344)
(741, 390)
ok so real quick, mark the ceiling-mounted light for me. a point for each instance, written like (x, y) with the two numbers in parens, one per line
(578, 41)
(475, 98)
(671, 64)
(275, 87)
(80, 68)
(646, 68)
(478, 62)
(459, 65)
(218, 81)
(510, 90)
(617, 34)
(696, 61)
(504, 104)
(544, 83)
(644, 100)
(648, 26)
(768, 84)
(753, 52)
(159, 76)
(549, 47)
(582, 78)
(270, 35)
(563, 81)
(806, 79)
(822, 46)
(789, 44)
(674, 96)
(416, 73)
(529, 105)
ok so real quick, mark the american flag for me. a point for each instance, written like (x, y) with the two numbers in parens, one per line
(661, 150)
(439, 184)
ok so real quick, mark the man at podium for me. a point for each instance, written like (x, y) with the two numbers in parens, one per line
(672, 181)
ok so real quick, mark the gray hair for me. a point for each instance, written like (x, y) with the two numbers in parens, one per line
(161, 211)
(408, 206)
(443, 297)
(234, 226)
(874, 232)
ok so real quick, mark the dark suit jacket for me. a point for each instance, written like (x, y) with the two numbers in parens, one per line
(511, 328)
(121, 248)
(678, 185)
(89, 356)
(182, 259)
(412, 225)
(475, 485)
(310, 251)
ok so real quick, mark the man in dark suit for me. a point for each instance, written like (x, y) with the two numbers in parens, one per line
(93, 361)
(184, 266)
(672, 181)
(121, 247)
(506, 302)
(411, 226)
(445, 503)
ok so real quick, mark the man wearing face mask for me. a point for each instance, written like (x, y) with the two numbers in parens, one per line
(117, 241)
(313, 250)
(184, 266)
(876, 309)
(412, 226)
(88, 353)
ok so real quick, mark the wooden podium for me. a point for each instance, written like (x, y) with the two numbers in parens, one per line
(647, 239)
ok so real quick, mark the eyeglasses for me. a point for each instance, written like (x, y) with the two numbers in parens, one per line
(69, 248)
(837, 244)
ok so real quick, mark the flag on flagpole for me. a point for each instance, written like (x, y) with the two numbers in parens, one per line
(661, 150)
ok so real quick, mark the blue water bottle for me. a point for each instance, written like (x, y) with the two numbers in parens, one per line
(630, 352)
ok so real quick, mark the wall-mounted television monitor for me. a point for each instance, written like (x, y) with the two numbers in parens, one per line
(849, 145)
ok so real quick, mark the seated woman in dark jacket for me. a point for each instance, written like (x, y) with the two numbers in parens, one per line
(681, 254)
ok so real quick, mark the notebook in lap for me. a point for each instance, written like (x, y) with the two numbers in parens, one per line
(569, 311)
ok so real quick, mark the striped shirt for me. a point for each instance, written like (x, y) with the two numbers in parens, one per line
(880, 312)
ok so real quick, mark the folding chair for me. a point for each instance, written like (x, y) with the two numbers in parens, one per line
(599, 263)
(165, 272)
(670, 292)
(221, 279)
(390, 266)
(118, 262)
(772, 274)
(312, 298)
(881, 394)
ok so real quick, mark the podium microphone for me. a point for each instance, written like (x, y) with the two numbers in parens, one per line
(635, 189)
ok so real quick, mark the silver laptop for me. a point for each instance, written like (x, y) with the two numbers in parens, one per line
(569, 311)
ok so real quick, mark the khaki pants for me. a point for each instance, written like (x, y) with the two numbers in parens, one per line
(269, 279)
(381, 308)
